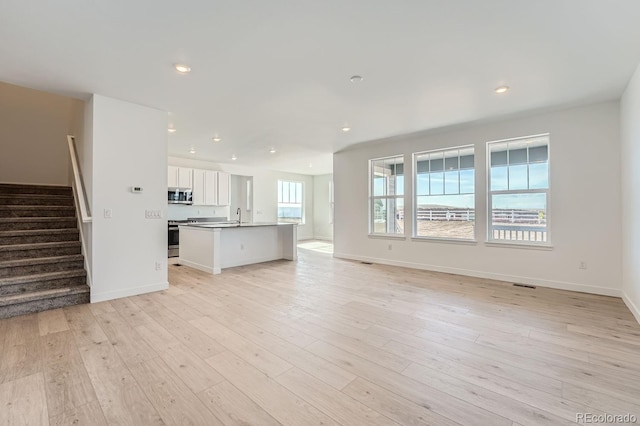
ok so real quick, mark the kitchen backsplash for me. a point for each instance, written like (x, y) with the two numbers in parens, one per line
(182, 212)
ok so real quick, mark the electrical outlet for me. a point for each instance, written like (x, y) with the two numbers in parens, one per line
(158, 266)
(390, 247)
(241, 246)
(582, 265)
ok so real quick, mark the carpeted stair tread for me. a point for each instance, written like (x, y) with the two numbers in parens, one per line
(12, 188)
(48, 276)
(36, 219)
(36, 200)
(15, 299)
(35, 223)
(37, 196)
(33, 236)
(31, 232)
(69, 195)
(25, 232)
(36, 207)
(40, 260)
(37, 246)
(44, 280)
(21, 211)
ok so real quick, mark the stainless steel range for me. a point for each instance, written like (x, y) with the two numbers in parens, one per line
(174, 237)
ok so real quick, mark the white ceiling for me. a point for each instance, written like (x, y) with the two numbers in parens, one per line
(276, 73)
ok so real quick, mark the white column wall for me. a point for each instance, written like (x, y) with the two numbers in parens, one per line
(584, 207)
(630, 136)
(84, 149)
(322, 214)
(129, 149)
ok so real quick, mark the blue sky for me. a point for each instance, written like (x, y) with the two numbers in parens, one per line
(456, 189)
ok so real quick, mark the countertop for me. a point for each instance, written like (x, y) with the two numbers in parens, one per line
(233, 225)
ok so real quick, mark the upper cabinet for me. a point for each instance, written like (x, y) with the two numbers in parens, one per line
(185, 178)
(224, 189)
(179, 177)
(172, 177)
(205, 192)
(211, 188)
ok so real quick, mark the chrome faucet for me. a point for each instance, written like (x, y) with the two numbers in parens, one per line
(239, 213)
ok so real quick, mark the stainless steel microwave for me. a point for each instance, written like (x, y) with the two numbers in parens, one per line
(180, 196)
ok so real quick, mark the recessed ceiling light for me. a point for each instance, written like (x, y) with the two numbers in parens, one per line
(272, 151)
(233, 157)
(182, 68)
(346, 129)
(356, 78)
(502, 89)
(310, 164)
(216, 138)
(171, 130)
(192, 151)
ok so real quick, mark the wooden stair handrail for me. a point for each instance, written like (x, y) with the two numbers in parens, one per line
(78, 185)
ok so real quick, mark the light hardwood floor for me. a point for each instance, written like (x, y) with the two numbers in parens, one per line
(323, 341)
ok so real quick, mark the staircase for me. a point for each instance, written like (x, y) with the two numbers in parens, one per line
(41, 265)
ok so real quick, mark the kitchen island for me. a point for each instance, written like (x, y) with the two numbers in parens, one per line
(212, 247)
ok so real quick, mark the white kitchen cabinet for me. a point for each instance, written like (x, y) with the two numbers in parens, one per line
(198, 187)
(205, 189)
(179, 177)
(211, 188)
(208, 187)
(224, 189)
(172, 177)
(185, 178)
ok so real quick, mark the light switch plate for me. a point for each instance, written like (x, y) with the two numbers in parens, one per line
(153, 214)
(108, 213)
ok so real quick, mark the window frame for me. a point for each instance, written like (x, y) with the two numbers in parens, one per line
(373, 197)
(302, 199)
(415, 195)
(490, 241)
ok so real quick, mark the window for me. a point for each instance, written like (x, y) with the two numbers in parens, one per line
(519, 190)
(386, 196)
(290, 202)
(444, 204)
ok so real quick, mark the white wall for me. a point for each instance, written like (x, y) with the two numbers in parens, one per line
(129, 149)
(239, 198)
(584, 206)
(322, 211)
(265, 190)
(630, 136)
(84, 150)
(33, 135)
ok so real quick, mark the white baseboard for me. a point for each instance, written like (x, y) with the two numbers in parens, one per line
(321, 238)
(253, 260)
(110, 295)
(560, 285)
(197, 266)
(632, 307)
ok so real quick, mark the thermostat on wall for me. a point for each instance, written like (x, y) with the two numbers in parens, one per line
(136, 189)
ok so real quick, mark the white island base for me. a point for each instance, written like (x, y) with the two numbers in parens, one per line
(211, 248)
